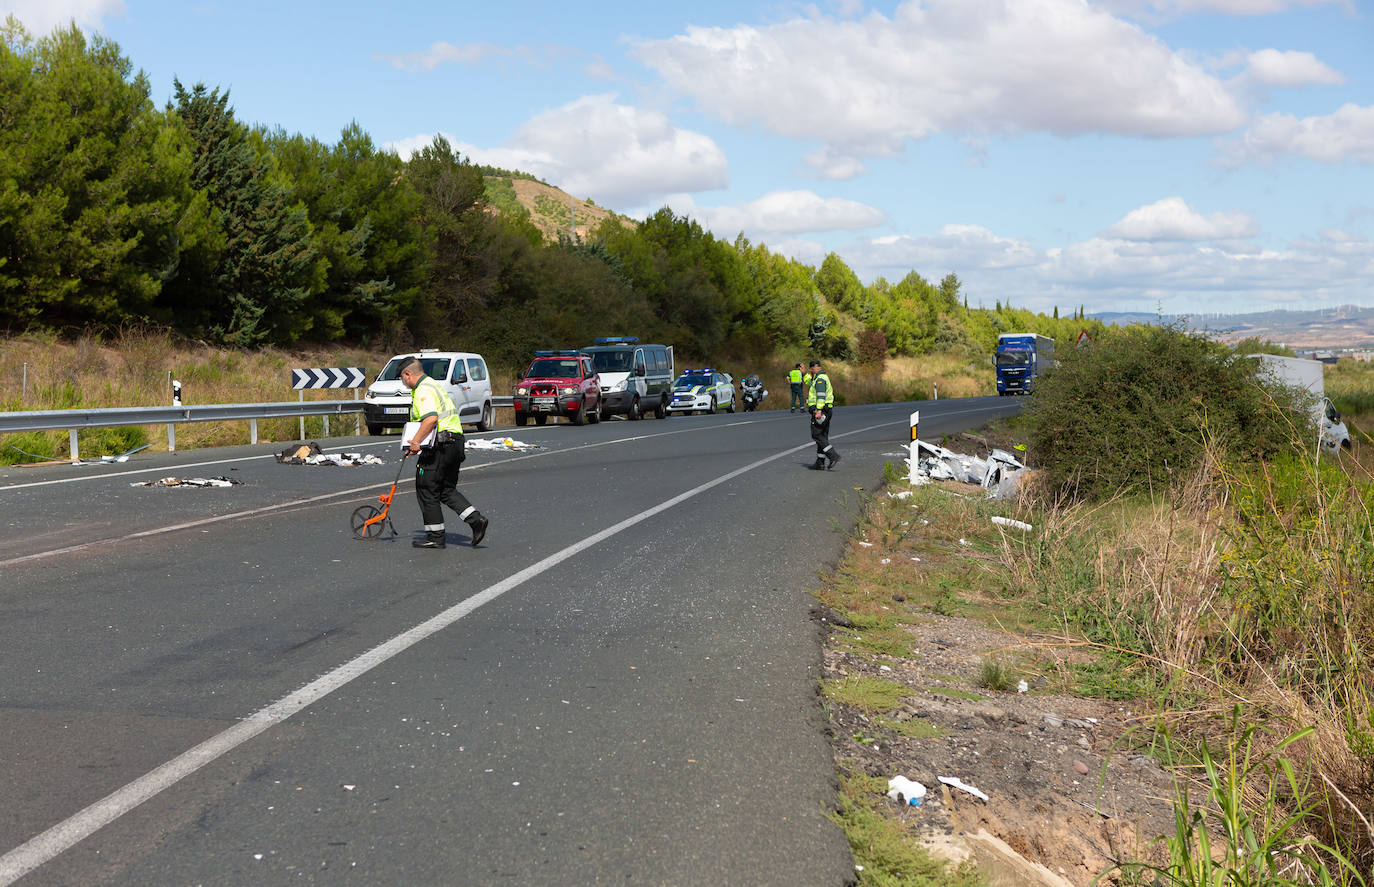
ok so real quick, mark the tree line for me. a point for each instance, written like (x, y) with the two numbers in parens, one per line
(114, 211)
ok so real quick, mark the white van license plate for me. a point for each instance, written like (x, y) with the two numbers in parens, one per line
(397, 411)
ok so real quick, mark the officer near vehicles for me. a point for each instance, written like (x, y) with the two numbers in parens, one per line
(794, 379)
(436, 473)
(820, 400)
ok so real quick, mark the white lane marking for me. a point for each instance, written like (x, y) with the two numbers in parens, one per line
(62, 836)
(157, 531)
(391, 443)
(219, 518)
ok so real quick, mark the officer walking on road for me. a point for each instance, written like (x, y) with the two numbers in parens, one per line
(794, 378)
(436, 472)
(820, 400)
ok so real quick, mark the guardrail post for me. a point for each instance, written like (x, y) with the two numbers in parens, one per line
(302, 437)
(252, 431)
(171, 437)
(71, 439)
(326, 425)
(359, 430)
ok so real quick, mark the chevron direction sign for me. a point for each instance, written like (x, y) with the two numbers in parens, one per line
(347, 377)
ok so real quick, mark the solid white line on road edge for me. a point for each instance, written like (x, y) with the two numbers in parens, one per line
(61, 837)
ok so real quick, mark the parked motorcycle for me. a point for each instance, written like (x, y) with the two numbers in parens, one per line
(753, 392)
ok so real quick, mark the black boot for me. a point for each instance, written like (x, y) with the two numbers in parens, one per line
(834, 457)
(479, 527)
(431, 540)
(820, 464)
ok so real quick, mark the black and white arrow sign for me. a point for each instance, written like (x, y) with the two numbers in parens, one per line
(347, 377)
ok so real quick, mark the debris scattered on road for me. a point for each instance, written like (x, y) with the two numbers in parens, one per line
(956, 782)
(189, 482)
(905, 791)
(348, 460)
(1022, 686)
(296, 454)
(1015, 524)
(103, 460)
(499, 443)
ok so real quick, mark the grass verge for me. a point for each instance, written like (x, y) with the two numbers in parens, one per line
(1233, 609)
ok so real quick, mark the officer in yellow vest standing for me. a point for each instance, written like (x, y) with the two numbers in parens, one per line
(436, 474)
(794, 378)
(820, 400)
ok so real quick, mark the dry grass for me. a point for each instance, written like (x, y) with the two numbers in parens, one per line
(135, 368)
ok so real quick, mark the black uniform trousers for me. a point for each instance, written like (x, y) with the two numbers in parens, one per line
(436, 483)
(820, 431)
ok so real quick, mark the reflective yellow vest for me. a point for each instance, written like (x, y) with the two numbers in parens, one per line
(795, 377)
(430, 399)
(822, 393)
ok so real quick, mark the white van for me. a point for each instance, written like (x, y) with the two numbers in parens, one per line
(635, 379)
(464, 374)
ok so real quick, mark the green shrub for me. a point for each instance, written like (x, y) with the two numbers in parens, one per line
(1137, 409)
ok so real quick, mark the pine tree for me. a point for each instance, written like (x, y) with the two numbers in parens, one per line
(94, 183)
(251, 284)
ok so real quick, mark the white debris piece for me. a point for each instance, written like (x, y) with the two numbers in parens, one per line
(886, 560)
(1015, 524)
(189, 482)
(998, 474)
(904, 494)
(866, 544)
(956, 782)
(905, 791)
(1022, 686)
(347, 460)
(498, 443)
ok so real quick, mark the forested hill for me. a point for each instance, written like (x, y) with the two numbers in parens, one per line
(116, 212)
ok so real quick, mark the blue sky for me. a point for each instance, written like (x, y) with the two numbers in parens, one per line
(1193, 156)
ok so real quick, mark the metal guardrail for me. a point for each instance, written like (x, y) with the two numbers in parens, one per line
(109, 417)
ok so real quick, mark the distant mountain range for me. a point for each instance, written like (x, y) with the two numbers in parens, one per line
(1347, 326)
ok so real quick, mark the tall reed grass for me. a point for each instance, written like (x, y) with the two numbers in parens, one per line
(1247, 587)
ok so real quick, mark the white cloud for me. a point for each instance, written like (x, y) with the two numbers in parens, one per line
(1348, 134)
(1106, 273)
(616, 154)
(1175, 8)
(868, 86)
(782, 212)
(1270, 67)
(441, 53)
(1173, 219)
(40, 17)
(834, 165)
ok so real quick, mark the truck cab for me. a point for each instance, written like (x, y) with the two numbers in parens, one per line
(1020, 359)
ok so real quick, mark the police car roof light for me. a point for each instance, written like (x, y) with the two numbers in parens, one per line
(616, 340)
(564, 353)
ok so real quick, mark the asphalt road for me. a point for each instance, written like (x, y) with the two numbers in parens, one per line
(223, 686)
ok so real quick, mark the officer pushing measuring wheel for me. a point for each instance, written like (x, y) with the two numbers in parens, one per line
(438, 441)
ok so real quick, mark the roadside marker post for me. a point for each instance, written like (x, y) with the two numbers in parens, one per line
(911, 447)
(329, 377)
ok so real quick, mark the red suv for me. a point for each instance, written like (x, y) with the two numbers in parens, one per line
(558, 383)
